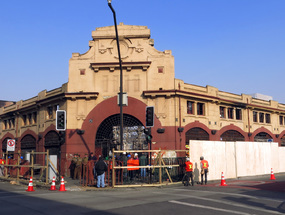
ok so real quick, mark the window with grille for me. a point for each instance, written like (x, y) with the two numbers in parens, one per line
(190, 107)
(254, 116)
(261, 117)
(200, 108)
(267, 118)
(230, 113)
(238, 114)
(222, 112)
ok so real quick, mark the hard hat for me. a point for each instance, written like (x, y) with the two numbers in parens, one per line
(22, 157)
(129, 156)
(124, 153)
(136, 154)
(187, 159)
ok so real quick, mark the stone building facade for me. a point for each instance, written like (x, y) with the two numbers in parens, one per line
(183, 111)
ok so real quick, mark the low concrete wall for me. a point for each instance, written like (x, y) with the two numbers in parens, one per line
(236, 159)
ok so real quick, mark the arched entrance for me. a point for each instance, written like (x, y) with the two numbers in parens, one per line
(108, 135)
(196, 134)
(232, 135)
(28, 144)
(283, 141)
(262, 137)
(52, 142)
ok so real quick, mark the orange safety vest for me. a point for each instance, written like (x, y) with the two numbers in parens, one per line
(132, 164)
(189, 166)
(111, 164)
(205, 164)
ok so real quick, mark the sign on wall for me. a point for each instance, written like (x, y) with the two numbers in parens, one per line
(11, 145)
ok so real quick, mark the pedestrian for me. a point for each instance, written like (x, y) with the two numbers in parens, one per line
(101, 168)
(84, 166)
(132, 164)
(204, 169)
(92, 157)
(2, 162)
(73, 165)
(124, 160)
(189, 172)
(143, 162)
(78, 168)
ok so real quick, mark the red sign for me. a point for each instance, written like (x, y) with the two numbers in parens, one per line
(11, 145)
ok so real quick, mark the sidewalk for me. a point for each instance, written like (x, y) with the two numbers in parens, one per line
(74, 185)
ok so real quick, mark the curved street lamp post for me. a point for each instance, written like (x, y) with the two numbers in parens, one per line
(121, 75)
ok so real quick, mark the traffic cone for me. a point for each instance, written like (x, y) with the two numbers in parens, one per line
(272, 175)
(223, 181)
(62, 185)
(53, 184)
(30, 187)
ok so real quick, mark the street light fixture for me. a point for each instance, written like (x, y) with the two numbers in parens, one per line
(121, 75)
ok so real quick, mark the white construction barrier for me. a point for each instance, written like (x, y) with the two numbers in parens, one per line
(237, 159)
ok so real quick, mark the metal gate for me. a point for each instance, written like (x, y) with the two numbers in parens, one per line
(108, 135)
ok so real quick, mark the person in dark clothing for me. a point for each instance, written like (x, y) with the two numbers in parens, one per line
(92, 157)
(143, 162)
(101, 168)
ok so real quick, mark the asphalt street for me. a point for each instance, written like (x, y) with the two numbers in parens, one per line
(257, 195)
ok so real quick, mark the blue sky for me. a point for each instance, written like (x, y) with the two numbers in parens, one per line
(237, 46)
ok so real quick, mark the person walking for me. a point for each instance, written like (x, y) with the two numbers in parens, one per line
(204, 169)
(101, 168)
(143, 162)
(189, 172)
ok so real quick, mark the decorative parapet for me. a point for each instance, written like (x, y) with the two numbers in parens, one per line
(80, 95)
(144, 65)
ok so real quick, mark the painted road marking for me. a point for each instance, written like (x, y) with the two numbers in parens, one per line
(223, 202)
(233, 194)
(208, 207)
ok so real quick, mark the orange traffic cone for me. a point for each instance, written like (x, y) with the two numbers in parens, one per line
(30, 187)
(272, 175)
(223, 181)
(62, 185)
(53, 184)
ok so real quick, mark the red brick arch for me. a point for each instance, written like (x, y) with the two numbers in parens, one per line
(262, 129)
(103, 110)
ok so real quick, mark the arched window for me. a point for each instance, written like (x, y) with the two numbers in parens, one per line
(196, 134)
(232, 135)
(262, 137)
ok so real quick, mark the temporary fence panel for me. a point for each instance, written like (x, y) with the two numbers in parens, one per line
(52, 172)
(17, 168)
(159, 169)
(237, 159)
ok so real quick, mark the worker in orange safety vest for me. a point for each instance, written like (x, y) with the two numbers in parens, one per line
(132, 166)
(189, 172)
(2, 162)
(204, 169)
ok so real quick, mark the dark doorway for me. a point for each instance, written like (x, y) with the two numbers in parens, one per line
(28, 144)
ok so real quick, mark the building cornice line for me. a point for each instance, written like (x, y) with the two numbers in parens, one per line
(168, 93)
